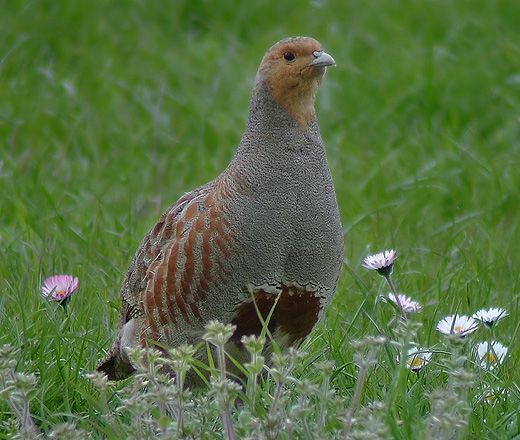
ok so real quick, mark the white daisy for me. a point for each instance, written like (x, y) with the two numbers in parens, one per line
(418, 358)
(491, 396)
(382, 262)
(460, 325)
(490, 354)
(407, 303)
(490, 316)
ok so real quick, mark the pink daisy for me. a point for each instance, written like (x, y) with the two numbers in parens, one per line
(59, 287)
(381, 262)
(405, 302)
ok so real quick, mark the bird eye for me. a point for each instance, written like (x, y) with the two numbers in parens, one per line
(289, 56)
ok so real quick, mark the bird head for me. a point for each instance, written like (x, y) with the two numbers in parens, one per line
(293, 69)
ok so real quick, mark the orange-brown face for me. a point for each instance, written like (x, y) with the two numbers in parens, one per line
(293, 68)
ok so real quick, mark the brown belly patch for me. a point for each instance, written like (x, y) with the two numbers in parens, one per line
(295, 314)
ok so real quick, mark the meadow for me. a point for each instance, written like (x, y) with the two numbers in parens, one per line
(109, 111)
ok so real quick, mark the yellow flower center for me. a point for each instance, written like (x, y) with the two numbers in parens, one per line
(415, 363)
(60, 293)
(490, 357)
(457, 329)
(490, 398)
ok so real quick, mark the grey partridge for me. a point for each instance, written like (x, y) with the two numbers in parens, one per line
(267, 226)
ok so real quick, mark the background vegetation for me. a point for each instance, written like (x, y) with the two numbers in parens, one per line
(109, 111)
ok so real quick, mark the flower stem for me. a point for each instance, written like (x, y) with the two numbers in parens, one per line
(356, 399)
(180, 401)
(21, 409)
(228, 424)
(253, 379)
(226, 415)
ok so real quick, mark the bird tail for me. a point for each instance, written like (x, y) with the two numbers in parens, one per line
(115, 366)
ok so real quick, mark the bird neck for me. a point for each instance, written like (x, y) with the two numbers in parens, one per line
(268, 110)
(273, 136)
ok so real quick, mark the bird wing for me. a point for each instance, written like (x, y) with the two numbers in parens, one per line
(141, 276)
(177, 262)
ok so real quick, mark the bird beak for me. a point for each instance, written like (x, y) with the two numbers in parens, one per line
(322, 59)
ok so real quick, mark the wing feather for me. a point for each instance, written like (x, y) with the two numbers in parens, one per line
(178, 263)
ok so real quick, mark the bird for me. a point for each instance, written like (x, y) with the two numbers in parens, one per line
(266, 231)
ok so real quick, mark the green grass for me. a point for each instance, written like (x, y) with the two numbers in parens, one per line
(109, 111)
